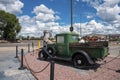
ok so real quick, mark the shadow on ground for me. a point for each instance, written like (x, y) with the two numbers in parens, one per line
(118, 71)
(69, 64)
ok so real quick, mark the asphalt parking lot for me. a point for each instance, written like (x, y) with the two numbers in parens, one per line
(9, 65)
(114, 50)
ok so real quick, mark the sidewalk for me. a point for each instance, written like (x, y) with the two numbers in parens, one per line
(9, 66)
(109, 71)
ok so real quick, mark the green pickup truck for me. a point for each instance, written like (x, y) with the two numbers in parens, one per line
(68, 47)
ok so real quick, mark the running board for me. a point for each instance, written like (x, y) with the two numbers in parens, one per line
(59, 58)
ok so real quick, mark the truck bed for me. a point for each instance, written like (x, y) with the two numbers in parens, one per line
(97, 50)
(90, 44)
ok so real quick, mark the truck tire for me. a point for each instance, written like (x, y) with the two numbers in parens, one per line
(41, 55)
(51, 51)
(79, 60)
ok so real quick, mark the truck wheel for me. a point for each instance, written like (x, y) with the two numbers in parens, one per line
(51, 51)
(41, 55)
(79, 60)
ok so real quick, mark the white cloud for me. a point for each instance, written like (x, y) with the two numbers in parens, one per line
(40, 24)
(108, 11)
(89, 17)
(31, 30)
(111, 3)
(36, 29)
(25, 19)
(45, 19)
(42, 9)
(28, 25)
(45, 14)
(12, 6)
(96, 28)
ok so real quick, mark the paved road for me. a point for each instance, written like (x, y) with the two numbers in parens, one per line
(23, 43)
(9, 65)
(114, 50)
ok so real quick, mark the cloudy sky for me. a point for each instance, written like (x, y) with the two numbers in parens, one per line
(94, 16)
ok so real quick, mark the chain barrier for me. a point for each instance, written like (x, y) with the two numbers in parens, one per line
(44, 49)
(111, 60)
(27, 65)
(21, 65)
(32, 69)
(29, 46)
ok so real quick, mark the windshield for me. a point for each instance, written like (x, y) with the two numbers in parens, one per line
(75, 38)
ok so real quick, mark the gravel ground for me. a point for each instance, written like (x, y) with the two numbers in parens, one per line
(110, 70)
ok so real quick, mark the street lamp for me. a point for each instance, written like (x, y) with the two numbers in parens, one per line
(71, 11)
(80, 27)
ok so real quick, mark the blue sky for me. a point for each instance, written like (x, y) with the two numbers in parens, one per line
(62, 8)
(94, 16)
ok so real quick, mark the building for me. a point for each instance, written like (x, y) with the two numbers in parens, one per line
(113, 37)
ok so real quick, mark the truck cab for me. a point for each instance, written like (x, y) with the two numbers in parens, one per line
(62, 43)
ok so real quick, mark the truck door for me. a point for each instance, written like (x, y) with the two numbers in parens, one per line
(61, 46)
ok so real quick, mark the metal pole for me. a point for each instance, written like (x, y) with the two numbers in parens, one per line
(33, 46)
(71, 11)
(21, 66)
(28, 47)
(71, 14)
(16, 52)
(80, 26)
(52, 70)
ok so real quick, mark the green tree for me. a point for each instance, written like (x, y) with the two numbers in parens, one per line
(12, 27)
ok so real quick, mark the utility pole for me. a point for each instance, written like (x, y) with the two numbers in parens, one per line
(80, 27)
(71, 12)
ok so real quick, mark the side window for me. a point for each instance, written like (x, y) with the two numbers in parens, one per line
(60, 39)
(75, 38)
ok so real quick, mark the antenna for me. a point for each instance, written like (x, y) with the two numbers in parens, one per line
(71, 12)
